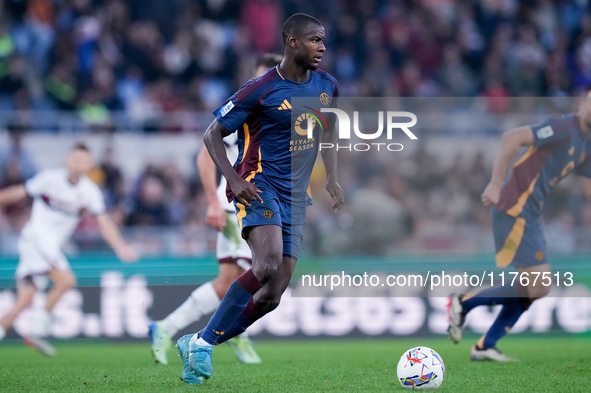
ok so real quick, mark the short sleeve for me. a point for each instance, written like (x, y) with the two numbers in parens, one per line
(95, 203)
(38, 184)
(554, 130)
(233, 113)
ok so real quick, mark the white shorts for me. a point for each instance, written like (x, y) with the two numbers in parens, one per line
(35, 264)
(231, 247)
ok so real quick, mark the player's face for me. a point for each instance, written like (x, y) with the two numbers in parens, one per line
(79, 162)
(310, 48)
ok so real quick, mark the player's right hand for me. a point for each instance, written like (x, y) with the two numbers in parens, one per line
(245, 192)
(491, 194)
(216, 216)
(126, 253)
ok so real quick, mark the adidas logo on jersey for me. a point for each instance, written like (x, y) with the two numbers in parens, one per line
(285, 106)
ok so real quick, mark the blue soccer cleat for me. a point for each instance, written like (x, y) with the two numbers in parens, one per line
(200, 359)
(189, 375)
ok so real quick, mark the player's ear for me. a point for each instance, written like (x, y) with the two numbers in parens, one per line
(292, 41)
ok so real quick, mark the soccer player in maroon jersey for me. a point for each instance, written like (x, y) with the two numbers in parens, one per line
(268, 184)
(553, 149)
(232, 252)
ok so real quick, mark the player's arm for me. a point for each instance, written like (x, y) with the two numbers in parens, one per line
(215, 215)
(329, 158)
(510, 142)
(12, 194)
(244, 192)
(111, 234)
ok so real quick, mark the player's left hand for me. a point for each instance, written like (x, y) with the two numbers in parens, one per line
(490, 195)
(337, 194)
(126, 253)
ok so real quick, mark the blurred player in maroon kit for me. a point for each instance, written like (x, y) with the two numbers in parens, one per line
(553, 149)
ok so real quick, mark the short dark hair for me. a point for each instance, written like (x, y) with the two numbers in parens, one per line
(81, 146)
(268, 60)
(296, 24)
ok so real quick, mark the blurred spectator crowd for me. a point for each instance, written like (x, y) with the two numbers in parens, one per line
(149, 58)
(416, 200)
(423, 201)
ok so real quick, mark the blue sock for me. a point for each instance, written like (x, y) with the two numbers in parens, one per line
(506, 319)
(491, 296)
(231, 306)
(244, 320)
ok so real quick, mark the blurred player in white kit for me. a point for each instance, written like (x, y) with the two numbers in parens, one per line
(59, 197)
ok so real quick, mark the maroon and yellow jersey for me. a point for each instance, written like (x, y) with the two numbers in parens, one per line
(559, 148)
(269, 149)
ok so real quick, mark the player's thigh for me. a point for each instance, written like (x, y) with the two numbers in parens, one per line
(62, 278)
(229, 272)
(266, 243)
(25, 291)
(537, 286)
(230, 245)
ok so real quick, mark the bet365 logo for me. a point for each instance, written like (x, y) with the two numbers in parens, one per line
(395, 121)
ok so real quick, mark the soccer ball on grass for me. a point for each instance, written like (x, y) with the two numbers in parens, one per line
(420, 368)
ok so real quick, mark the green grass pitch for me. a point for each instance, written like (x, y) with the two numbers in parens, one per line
(547, 364)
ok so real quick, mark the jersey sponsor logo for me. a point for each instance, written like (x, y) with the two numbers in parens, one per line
(305, 123)
(545, 132)
(324, 98)
(227, 108)
(268, 214)
(61, 206)
(285, 105)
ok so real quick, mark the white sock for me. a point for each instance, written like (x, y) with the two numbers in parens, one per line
(198, 340)
(2, 332)
(41, 324)
(202, 301)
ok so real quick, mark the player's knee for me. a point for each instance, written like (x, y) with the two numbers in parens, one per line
(539, 291)
(25, 302)
(267, 303)
(267, 267)
(66, 282)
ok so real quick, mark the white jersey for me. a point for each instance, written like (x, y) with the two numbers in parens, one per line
(57, 207)
(231, 143)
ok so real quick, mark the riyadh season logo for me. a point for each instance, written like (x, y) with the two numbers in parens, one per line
(311, 118)
(395, 121)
